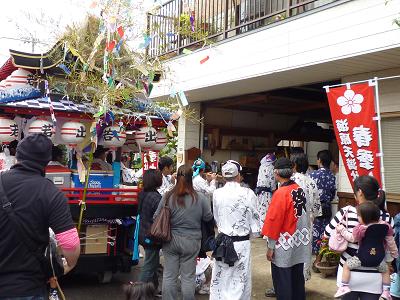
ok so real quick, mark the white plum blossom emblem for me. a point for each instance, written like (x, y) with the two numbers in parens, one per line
(350, 102)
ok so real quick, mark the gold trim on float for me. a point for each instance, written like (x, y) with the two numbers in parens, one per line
(36, 56)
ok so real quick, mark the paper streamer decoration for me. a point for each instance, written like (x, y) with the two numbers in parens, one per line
(171, 128)
(51, 107)
(204, 59)
(192, 22)
(186, 51)
(176, 115)
(64, 68)
(146, 42)
(142, 70)
(111, 45)
(120, 31)
(183, 98)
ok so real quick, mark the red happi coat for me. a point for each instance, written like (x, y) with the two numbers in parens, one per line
(287, 223)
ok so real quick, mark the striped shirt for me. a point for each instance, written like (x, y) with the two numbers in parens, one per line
(365, 282)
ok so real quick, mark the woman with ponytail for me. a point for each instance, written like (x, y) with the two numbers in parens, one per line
(365, 283)
(188, 209)
(203, 183)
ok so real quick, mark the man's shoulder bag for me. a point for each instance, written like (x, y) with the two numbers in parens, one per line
(50, 262)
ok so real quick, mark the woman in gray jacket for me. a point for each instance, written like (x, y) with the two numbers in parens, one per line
(188, 209)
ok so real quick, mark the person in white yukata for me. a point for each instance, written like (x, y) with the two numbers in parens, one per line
(236, 218)
(266, 185)
(166, 166)
(201, 185)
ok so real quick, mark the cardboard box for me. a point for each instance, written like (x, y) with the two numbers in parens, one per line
(96, 239)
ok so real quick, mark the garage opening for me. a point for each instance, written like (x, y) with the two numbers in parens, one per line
(245, 128)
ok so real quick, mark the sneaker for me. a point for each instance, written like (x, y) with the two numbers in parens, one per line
(385, 295)
(53, 295)
(204, 290)
(343, 290)
(270, 293)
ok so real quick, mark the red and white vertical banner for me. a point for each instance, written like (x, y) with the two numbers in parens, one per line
(354, 119)
(149, 160)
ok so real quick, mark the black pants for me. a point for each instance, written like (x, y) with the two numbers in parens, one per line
(360, 296)
(289, 282)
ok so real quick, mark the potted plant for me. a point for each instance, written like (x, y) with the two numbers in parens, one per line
(330, 260)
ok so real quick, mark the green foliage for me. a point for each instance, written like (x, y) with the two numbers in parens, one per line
(171, 148)
(324, 251)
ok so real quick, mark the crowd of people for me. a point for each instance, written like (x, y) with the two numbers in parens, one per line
(290, 208)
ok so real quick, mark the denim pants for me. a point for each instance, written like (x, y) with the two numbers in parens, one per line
(180, 259)
(149, 269)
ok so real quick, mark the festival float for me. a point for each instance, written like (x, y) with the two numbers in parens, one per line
(91, 91)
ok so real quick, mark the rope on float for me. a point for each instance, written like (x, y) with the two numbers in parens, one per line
(83, 201)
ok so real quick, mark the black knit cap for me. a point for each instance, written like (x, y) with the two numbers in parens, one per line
(36, 148)
(283, 163)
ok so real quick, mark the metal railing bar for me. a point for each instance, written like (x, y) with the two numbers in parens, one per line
(217, 19)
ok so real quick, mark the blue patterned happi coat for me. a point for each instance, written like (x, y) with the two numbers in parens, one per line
(325, 181)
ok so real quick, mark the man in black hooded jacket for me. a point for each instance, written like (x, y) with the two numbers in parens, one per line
(38, 205)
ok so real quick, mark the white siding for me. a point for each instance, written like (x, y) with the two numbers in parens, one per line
(349, 29)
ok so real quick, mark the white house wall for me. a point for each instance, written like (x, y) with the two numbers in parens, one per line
(349, 29)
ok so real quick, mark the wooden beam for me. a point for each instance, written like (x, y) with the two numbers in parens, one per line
(233, 101)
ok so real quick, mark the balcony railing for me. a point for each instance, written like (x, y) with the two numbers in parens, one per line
(180, 24)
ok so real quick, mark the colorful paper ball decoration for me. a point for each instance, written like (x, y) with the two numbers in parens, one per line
(73, 133)
(43, 126)
(146, 137)
(161, 141)
(114, 136)
(8, 130)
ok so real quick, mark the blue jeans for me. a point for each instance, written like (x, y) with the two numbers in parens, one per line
(26, 298)
(150, 266)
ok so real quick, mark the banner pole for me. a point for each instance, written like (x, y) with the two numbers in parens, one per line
(378, 112)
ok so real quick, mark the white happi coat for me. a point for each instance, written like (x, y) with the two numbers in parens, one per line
(166, 184)
(202, 186)
(315, 210)
(235, 215)
(265, 179)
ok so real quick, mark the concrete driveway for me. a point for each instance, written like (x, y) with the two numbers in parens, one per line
(86, 286)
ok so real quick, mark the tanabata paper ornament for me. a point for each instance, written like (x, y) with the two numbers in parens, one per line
(8, 130)
(73, 133)
(146, 138)
(114, 137)
(43, 126)
(161, 141)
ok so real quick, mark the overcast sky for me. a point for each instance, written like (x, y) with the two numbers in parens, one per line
(43, 20)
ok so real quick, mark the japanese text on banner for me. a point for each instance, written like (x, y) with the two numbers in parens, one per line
(149, 160)
(353, 112)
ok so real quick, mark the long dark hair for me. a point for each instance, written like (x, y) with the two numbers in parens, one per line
(371, 190)
(152, 180)
(140, 291)
(183, 186)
